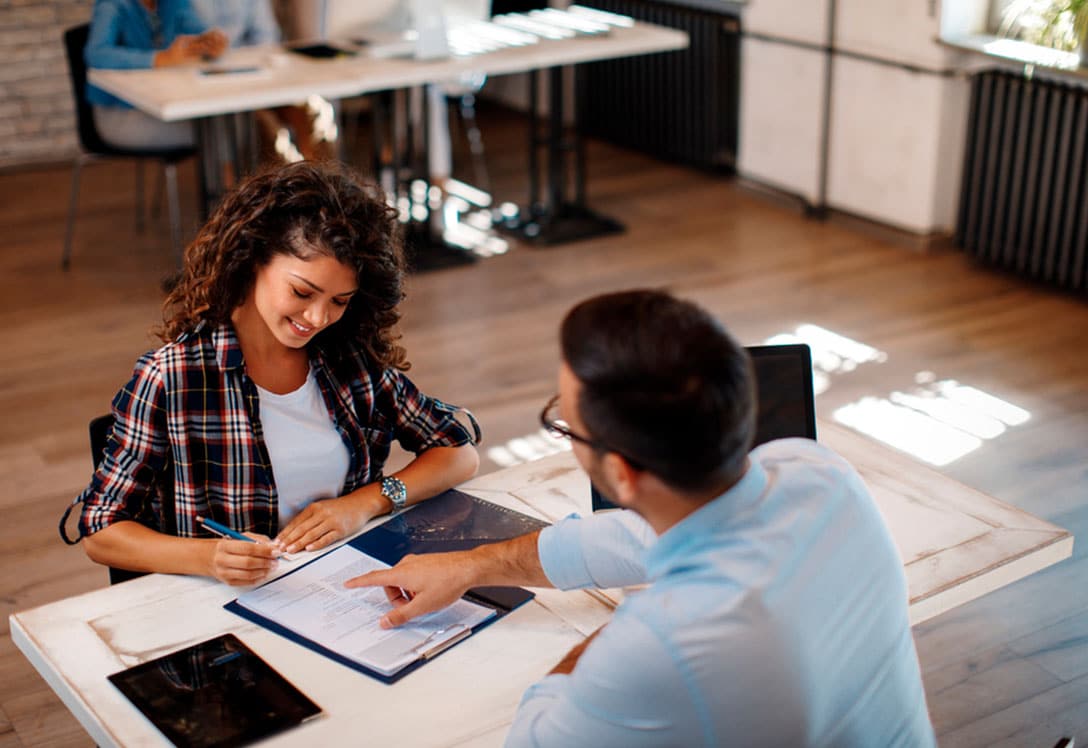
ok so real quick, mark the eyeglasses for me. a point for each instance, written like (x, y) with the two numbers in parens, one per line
(556, 426)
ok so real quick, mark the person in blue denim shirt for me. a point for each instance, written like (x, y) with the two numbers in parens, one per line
(138, 34)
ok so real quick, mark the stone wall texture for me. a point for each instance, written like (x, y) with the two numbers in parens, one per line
(37, 118)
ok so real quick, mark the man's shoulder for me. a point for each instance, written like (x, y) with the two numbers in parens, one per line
(797, 455)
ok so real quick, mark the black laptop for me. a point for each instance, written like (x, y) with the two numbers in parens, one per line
(787, 402)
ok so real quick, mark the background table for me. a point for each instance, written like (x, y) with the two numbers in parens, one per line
(282, 78)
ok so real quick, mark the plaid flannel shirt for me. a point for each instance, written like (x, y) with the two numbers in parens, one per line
(187, 435)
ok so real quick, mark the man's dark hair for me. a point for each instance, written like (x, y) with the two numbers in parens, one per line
(663, 385)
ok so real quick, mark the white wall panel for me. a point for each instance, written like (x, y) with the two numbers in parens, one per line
(900, 30)
(782, 98)
(797, 20)
(896, 146)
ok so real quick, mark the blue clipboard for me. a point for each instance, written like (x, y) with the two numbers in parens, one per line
(451, 521)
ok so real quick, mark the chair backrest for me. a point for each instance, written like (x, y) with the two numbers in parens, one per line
(75, 41)
(100, 432)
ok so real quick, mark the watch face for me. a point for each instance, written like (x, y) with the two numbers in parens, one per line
(395, 490)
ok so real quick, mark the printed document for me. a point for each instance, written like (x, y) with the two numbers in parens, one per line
(314, 603)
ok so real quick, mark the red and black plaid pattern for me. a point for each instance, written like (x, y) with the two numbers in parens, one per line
(188, 424)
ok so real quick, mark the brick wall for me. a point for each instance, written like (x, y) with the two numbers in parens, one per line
(37, 122)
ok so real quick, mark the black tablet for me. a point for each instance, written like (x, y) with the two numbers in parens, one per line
(216, 693)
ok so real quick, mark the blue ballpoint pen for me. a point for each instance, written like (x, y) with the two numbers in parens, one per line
(223, 531)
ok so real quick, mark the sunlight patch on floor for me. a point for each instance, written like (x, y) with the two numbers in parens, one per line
(527, 448)
(938, 421)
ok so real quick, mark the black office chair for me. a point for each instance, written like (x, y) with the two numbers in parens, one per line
(93, 146)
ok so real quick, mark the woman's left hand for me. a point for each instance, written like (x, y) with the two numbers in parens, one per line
(323, 522)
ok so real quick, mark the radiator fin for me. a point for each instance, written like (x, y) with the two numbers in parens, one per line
(680, 106)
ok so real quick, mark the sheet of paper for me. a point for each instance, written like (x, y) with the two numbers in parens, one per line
(314, 603)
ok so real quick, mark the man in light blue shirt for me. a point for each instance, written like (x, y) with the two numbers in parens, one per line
(776, 611)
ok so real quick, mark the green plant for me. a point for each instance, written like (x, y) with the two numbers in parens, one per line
(1062, 24)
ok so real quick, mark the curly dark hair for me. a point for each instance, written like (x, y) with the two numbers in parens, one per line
(299, 209)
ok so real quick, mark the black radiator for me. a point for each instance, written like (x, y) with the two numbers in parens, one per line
(680, 106)
(1024, 204)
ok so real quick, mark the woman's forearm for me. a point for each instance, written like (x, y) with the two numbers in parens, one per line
(130, 545)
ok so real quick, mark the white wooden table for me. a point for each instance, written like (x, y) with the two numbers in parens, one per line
(466, 697)
(283, 78)
(956, 543)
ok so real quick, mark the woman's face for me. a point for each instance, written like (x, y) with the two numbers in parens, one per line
(296, 298)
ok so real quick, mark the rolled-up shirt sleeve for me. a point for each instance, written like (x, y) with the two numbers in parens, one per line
(604, 550)
(423, 422)
(136, 451)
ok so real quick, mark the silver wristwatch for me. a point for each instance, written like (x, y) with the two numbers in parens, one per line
(394, 489)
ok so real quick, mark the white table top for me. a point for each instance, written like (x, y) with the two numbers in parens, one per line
(956, 543)
(285, 78)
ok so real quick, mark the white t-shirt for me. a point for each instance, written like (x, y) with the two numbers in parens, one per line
(309, 460)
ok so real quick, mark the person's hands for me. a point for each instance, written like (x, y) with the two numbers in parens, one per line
(322, 522)
(236, 562)
(420, 584)
(212, 43)
(185, 48)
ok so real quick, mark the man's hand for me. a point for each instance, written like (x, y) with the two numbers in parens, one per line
(431, 581)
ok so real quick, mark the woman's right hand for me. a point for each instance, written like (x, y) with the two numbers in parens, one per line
(184, 49)
(238, 563)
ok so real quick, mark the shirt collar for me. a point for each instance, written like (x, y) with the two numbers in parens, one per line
(228, 351)
(675, 544)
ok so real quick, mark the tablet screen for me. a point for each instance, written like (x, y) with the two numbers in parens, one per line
(216, 693)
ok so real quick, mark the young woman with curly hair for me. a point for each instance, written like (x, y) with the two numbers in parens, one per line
(272, 406)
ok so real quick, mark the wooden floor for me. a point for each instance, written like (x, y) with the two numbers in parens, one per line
(1010, 669)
